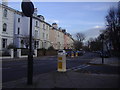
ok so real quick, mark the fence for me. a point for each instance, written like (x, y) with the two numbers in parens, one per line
(18, 53)
(9, 53)
(24, 53)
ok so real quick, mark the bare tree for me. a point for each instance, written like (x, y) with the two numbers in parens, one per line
(80, 37)
(78, 43)
(95, 44)
(113, 27)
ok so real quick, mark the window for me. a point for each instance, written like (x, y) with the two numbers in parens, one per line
(5, 13)
(36, 34)
(46, 36)
(36, 44)
(4, 43)
(18, 19)
(22, 44)
(36, 24)
(45, 44)
(42, 44)
(44, 26)
(4, 27)
(43, 35)
(18, 30)
(47, 27)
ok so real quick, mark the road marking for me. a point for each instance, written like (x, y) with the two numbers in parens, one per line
(78, 67)
(81, 67)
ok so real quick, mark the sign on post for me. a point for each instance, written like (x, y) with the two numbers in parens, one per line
(28, 10)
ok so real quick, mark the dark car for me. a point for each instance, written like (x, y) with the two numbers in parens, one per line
(68, 53)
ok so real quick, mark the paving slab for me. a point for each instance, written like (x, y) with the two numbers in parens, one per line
(69, 79)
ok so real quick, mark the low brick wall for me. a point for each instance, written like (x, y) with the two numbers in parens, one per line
(46, 52)
(51, 52)
(40, 52)
(24, 51)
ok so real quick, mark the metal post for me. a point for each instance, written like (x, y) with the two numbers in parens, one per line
(102, 52)
(30, 57)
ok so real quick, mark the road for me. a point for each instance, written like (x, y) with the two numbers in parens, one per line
(13, 70)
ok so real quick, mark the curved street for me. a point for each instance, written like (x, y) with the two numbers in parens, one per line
(16, 69)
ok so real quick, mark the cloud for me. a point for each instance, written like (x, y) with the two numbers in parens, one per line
(93, 32)
(98, 27)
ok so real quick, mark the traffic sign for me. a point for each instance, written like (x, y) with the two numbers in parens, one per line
(27, 8)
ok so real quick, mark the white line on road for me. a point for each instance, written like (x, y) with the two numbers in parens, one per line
(81, 67)
(78, 67)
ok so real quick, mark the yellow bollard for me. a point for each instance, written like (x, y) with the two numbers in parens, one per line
(61, 61)
(59, 65)
(72, 55)
(76, 54)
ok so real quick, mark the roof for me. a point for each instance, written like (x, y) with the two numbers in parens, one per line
(20, 13)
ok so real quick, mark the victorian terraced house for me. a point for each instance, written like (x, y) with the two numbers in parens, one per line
(6, 26)
(15, 30)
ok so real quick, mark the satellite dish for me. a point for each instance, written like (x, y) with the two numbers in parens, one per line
(27, 8)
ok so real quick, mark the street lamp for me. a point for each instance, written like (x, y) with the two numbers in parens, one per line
(28, 10)
(102, 37)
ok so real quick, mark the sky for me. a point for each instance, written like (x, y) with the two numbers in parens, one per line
(84, 17)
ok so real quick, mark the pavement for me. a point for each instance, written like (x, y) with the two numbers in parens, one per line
(22, 58)
(71, 78)
(113, 61)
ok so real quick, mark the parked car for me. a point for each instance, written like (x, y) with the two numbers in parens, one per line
(68, 53)
(61, 51)
(73, 52)
(79, 52)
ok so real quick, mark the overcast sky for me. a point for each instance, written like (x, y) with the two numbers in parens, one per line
(87, 17)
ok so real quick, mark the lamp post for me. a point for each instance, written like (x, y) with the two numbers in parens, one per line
(28, 10)
(102, 37)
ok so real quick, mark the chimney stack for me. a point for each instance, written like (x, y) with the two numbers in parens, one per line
(5, 2)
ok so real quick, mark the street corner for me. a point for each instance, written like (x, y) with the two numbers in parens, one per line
(100, 69)
(89, 80)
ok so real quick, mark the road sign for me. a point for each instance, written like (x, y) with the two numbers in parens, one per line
(27, 8)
